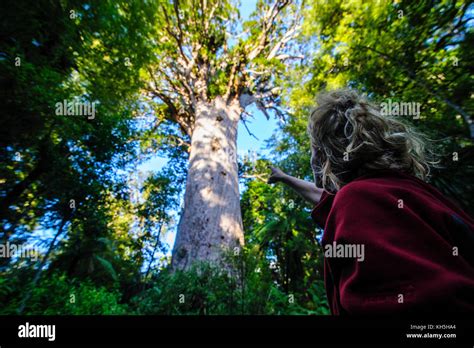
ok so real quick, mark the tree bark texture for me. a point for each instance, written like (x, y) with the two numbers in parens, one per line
(211, 220)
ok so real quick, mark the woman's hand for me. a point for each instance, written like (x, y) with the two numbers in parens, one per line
(306, 189)
(277, 175)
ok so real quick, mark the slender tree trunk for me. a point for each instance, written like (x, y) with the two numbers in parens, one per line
(41, 265)
(153, 252)
(211, 220)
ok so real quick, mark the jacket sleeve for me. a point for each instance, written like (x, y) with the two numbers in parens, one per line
(407, 266)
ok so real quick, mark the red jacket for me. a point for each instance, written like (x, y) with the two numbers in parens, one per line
(410, 233)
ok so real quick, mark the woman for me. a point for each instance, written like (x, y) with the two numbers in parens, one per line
(371, 197)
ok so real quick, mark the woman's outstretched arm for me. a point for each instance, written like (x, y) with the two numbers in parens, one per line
(305, 189)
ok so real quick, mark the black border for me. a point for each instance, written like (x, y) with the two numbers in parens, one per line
(242, 330)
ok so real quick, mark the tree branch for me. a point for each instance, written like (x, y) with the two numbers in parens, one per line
(169, 30)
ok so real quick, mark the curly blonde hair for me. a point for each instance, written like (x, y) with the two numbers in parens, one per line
(350, 137)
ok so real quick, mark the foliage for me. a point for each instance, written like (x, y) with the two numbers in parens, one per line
(208, 290)
(61, 295)
(71, 187)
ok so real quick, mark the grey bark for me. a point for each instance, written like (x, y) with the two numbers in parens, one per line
(211, 221)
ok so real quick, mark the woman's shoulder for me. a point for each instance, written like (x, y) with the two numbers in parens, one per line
(383, 180)
(390, 189)
(378, 188)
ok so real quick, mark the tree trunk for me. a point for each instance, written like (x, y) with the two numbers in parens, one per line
(211, 221)
(41, 265)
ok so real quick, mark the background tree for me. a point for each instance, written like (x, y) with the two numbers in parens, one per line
(60, 174)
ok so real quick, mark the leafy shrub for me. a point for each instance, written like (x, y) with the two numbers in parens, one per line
(58, 295)
(209, 290)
